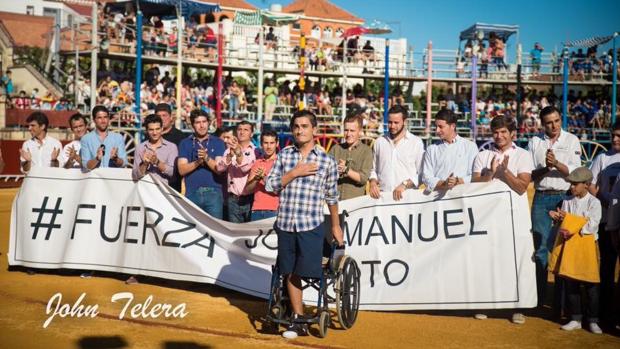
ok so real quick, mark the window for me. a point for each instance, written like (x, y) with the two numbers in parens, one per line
(316, 32)
(327, 32)
(339, 32)
(30, 10)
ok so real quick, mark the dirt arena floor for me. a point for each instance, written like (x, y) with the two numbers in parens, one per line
(218, 318)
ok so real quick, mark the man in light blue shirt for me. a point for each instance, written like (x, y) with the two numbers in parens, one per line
(449, 162)
(100, 147)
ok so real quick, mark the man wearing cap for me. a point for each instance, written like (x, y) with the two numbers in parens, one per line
(556, 153)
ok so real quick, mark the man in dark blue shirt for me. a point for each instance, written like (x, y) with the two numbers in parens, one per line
(198, 158)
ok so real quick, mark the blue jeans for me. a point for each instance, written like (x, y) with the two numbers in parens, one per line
(209, 199)
(233, 106)
(544, 236)
(239, 208)
(263, 214)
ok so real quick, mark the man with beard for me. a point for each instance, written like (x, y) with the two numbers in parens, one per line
(100, 147)
(305, 178)
(606, 170)
(505, 162)
(556, 153)
(198, 158)
(449, 162)
(265, 204)
(70, 155)
(354, 159)
(41, 150)
(172, 134)
(237, 163)
(397, 161)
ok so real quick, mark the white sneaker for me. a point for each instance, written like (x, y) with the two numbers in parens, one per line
(573, 325)
(595, 329)
(518, 318)
(480, 316)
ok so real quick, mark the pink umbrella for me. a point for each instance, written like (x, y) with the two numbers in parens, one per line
(357, 31)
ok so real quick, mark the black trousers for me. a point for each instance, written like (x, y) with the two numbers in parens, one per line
(609, 257)
(573, 290)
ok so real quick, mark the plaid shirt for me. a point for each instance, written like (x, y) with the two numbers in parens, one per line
(301, 201)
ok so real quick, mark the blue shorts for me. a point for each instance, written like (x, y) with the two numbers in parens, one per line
(301, 253)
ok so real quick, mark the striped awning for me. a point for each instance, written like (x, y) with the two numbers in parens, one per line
(247, 18)
(264, 17)
(589, 42)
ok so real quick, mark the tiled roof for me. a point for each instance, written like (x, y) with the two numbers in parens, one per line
(82, 10)
(26, 30)
(240, 4)
(320, 9)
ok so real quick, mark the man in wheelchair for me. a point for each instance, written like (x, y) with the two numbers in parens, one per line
(304, 177)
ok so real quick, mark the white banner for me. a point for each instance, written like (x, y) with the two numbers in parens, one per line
(468, 249)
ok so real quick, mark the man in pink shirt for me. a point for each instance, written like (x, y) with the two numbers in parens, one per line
(265, 203)
(237, 163)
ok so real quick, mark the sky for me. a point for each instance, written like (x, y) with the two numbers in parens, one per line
(549, 22)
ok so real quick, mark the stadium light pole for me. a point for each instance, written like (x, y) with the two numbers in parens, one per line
(261, 73)
(386, 84)
(138, 83)
(474, 95)
(614, 85)
(565, 88)
(429, 88)
(93, 57)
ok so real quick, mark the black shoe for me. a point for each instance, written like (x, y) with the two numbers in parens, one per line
(294, 330)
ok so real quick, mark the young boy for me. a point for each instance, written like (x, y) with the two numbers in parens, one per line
(584, 204)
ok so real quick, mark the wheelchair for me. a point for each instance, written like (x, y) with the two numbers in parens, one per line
(339, 284)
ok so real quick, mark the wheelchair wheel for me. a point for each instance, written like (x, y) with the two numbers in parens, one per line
(348, 293)
(324, 322)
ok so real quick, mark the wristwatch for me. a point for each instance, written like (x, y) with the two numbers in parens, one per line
(405, 183)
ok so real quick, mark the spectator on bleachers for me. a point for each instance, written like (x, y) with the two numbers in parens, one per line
(271, 99)
(6, 82)
(22, 101)
(536, 56)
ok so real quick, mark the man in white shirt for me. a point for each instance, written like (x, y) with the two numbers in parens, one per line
(605, 170)
(556, 153)
(70, 155)
(505, 162)
(41, 150)
(449, 162)
(397, 159)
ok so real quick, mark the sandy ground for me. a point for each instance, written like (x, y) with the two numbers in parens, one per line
(219, 318)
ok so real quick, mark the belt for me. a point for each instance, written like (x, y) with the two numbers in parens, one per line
(239, 197)
(551, 192)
